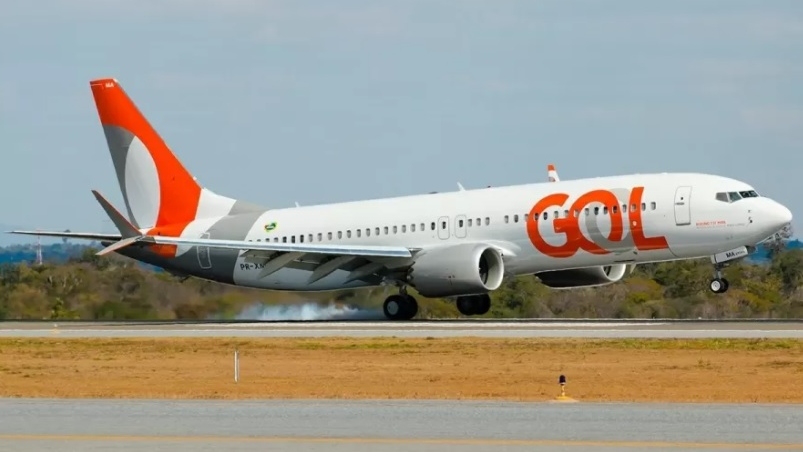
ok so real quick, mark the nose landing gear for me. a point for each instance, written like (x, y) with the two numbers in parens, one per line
(718, 284)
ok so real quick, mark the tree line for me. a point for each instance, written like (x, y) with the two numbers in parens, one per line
(88, 287)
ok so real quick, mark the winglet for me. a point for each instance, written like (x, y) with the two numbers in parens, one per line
(123, 225)
(460, 187)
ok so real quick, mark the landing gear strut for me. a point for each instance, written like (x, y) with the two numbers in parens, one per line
(401, 306)
(718, 284)
(474, 304)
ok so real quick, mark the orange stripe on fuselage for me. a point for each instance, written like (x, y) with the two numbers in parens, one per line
(179, 194)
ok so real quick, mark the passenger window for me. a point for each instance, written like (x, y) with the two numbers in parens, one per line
(293, 239)
(460, 223)
(284, 239)
(722, 196)
(443, 225)
(376, 231)
(469, 222)
(615, 209)
(423, 228)
(386, 230)
(643, 206)
(329, 235)
(348, 233)
(605, 210)
(596, 210)
(310, 238)
(340, 234)
(479, 223)
(515, 218)
(506, 219)
(320, 237)
(301, 238)
(487, 221)
(624, 208)
(546, 215)
(276, 239)
(432, 226)
(368, 232)
(556, 214)
(652, 206)
(412, 228)
(404, 228)
(395, 229)
(633, 207)
(359, 232)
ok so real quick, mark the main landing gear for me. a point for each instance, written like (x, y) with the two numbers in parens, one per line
(474, 304)
(401, 306)
(718, 284)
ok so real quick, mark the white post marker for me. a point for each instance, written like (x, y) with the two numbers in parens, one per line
(236, 366)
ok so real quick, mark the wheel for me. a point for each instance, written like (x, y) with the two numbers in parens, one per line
(400, 307)
(466, 305)
(474, 304)
(482, 304)
(394, 307)
(718, 285)
(410, 307)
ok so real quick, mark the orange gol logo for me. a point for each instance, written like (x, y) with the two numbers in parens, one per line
(569, 225)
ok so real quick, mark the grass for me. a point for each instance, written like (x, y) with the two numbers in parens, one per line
(711, 370)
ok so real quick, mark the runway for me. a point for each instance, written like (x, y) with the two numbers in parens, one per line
(445, 328)
(392, 426)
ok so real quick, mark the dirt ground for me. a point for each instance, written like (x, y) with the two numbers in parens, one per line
(704, 370)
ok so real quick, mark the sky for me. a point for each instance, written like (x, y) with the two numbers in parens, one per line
(278, 102)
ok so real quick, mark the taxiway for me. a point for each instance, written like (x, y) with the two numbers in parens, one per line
(392, 426)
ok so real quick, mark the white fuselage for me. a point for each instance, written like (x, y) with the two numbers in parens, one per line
(698, 225)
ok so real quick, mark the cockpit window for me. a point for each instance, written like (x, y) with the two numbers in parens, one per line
(734, 196)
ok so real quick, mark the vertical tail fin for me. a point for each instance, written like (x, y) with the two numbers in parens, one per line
(552, 173)
(156, 187)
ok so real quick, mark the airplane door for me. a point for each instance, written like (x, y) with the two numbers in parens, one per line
(460, 226)
(443, 228)
(204, 257)
(683, 206)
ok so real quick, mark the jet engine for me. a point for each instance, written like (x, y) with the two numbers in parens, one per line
(584, 277)
(464, 269)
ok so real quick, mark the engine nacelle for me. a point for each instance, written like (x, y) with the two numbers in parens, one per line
(464, 269)
(584, 277)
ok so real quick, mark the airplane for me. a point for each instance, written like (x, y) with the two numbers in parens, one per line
(457, 245)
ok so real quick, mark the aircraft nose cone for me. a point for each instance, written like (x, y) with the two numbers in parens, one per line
(779, 215)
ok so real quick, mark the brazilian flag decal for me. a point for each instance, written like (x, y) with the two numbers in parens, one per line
(270, 226)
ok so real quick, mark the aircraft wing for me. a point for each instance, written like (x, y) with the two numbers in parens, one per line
(244, 245)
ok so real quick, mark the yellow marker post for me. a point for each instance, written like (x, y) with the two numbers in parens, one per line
(563, 397)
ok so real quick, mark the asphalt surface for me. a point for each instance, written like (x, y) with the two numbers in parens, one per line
(125, 425)
(447, 328)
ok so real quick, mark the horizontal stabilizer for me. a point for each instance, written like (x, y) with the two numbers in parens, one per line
(71, 235)
(362, 250)
(123, 225)
(118, 245)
